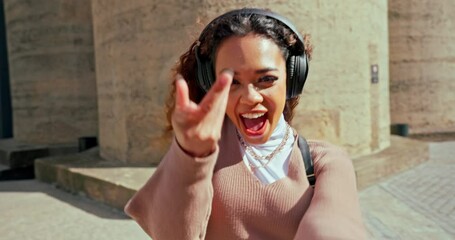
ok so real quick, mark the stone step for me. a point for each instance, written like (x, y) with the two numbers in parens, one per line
(17, 154)
(86, 173)
(113, 183)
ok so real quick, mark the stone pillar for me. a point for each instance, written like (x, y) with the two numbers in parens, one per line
(137, 42)
(51, 63)
(422, 65)
(340, 103)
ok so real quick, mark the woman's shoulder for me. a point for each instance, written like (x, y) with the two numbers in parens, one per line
(325, 147)
(323, 152)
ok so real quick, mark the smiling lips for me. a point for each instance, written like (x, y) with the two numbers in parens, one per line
(254, 123)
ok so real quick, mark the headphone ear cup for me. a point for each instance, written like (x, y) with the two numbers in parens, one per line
(297, 71)
(205, 75)
(290, 70)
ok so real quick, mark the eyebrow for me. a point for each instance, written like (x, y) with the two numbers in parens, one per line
(264, 70)
(259, 71)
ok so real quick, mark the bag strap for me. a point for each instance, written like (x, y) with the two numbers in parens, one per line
(306, 155)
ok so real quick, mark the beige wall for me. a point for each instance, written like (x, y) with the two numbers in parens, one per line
(422, 64)
(340, 104)
(136, 44)
(138, 41)
(50, 47)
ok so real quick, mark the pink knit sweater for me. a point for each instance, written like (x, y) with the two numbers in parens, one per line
(216, 197)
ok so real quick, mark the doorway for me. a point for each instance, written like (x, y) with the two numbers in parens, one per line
(6, 123)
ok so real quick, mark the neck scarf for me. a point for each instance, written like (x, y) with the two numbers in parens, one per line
(277, 167)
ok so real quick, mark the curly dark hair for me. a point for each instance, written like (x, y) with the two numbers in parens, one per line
(223, 28)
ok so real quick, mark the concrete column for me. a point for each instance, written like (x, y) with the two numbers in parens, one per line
(422, 65)
(340, 103)
(137, 42)
(51, 63)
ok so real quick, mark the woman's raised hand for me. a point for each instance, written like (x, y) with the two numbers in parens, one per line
(197, 127)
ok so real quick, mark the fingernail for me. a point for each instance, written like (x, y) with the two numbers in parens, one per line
(229, 71)
(178, 76)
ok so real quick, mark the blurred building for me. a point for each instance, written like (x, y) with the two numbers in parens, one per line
(422, 65)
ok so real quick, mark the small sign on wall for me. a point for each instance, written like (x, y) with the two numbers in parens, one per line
(374, 73)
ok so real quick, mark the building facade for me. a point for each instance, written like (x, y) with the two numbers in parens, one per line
(102, 68)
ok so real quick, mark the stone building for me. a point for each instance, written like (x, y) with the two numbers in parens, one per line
(51, 77)
(101, 68)
(422, 65)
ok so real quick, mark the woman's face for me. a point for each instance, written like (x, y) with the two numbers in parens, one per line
(258, 92)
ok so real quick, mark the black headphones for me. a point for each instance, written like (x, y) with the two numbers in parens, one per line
(296, 63)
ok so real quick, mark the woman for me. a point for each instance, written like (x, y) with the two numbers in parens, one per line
(234, 169)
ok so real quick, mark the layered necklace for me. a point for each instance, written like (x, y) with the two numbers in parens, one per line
(260, 158)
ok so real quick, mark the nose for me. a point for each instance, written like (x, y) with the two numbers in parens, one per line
(251, 95)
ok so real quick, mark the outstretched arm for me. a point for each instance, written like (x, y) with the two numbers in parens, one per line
(175, 203)
(334, 211)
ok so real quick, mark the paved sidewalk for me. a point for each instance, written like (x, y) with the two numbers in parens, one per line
(31, 210)
(416, 204)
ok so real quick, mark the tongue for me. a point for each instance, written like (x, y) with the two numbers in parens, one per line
(254, 124)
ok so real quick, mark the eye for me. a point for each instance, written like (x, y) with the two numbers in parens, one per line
(268, 79)
(235, 82)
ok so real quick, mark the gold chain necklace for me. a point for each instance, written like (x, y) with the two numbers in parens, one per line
(260, 158)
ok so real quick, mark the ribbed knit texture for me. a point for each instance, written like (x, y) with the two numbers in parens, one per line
(250, 208)
(218, 198)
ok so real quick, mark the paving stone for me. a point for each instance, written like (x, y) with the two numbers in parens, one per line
(415, 204)
(433, 196)
(31, 210)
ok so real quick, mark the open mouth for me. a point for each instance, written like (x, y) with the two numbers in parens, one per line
(254, 123)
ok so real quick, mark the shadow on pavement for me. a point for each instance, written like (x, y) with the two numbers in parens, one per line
(78, 201)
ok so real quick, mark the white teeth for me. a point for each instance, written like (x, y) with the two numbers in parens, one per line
(252, 115)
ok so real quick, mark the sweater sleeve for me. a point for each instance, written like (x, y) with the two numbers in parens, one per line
(175, 203)
(334, 211)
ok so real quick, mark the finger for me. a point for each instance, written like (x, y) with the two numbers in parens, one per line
(223, 80)
(219, 90)
(182, 98)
